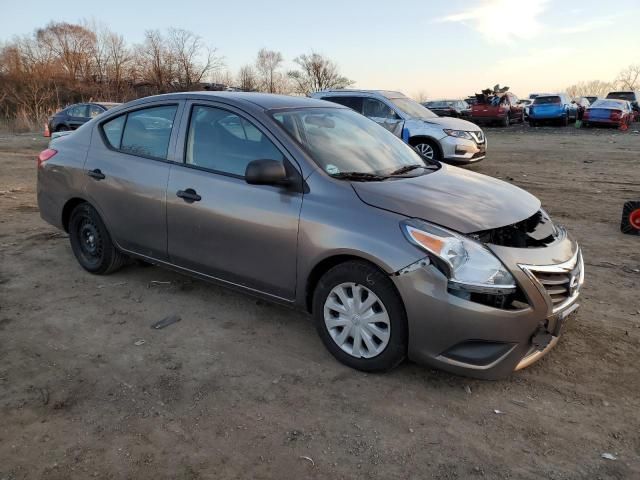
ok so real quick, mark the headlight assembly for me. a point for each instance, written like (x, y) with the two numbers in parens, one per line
(468, 264)
(458, 134)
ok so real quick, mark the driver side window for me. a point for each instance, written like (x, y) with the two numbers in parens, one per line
(226, 143)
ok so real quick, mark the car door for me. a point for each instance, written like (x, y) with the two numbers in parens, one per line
(77, 115)
(383, 115)
(219, 225)
(128, 167)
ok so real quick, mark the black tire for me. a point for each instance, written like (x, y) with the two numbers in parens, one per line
(506, 120)
(62, 128)
(365, 274)
(91, 242)
(565, 120)
(434, 146)
(532, 123)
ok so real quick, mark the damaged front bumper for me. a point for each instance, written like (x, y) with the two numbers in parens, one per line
(475, 337)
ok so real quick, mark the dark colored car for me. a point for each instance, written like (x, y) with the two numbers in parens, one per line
(449, 108)
(311, 204)
(615, 113)
(502, 108)
(75, 115)
(630, 96)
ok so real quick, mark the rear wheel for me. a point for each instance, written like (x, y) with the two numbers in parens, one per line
(91, 242)
(565, 120)
(532, 122)
(360, 317)
(506, 121)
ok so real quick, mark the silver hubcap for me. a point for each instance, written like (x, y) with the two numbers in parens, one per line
(425, 150)
(357, 320)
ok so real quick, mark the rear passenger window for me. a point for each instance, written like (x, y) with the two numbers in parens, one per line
(113, 131)
(224, 142)
(373, 108)
(354, 103)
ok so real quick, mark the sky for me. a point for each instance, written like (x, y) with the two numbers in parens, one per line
(432, 48)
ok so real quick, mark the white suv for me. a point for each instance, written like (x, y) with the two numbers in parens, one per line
(451, 140)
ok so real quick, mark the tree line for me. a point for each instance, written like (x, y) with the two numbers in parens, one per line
(626, 80)
(64, 63)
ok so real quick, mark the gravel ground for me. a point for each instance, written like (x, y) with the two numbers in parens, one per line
(244, 389)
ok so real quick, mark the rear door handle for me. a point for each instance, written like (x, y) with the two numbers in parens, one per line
(96, 173)
(189, 195)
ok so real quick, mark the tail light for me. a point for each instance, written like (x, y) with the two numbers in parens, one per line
(502, 109)
(586, 114)
(45, 155)
(615, 115)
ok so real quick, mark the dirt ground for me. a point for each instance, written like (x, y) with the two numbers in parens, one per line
(244, 389)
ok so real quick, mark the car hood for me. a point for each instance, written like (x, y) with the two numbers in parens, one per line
(459, 199)
(452, 123)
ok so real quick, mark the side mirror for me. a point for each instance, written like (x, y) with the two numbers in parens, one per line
(266, 172)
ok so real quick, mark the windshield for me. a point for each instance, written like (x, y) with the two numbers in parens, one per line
(630, 96)
(546, 100)
(608, 104)
(412, 108)
(340, 140)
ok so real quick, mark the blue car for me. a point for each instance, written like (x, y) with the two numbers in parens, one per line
(553, 108)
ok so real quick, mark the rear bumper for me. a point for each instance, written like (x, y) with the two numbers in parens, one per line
(469, 338)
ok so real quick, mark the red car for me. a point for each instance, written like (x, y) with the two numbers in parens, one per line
(502, 108)
(616, 113)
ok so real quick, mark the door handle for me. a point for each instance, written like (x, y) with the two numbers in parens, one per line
(96, 174)
(189, 195)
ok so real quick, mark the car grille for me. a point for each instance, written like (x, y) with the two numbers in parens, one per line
(478, 136)
(561, 283)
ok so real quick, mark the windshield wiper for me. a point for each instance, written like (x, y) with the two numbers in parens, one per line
(408, 168)
(360, 176)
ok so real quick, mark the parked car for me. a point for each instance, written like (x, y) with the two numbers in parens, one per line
(449, 108)
(312, 205)
(451, 140)
(502, 108)
(552, 108)
(630, 96)
(75, 115)
(615, 113)
(525, 102)
(591, 98)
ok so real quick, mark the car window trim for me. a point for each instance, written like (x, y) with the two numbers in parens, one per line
(286, 157)
(145, 106)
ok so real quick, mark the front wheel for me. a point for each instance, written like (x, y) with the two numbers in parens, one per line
(360, 317)
(427, 150)
(91, 242)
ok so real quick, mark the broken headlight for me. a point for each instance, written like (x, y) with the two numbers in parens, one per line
(468, 264)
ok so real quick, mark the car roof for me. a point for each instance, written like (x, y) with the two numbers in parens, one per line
(347, 91)
(106, 104)
(266, 101)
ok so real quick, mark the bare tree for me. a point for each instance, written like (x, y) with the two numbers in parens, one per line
(193, 59)
(629, 78)
(420, 96)
(267, 65)
(247, 79)
(596, 88)
(71, 45)
(316, 73)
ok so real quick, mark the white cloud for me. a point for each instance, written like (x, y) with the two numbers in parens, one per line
(502, 21)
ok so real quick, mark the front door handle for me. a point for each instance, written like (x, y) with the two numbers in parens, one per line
(96, 174)
(189, 195)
